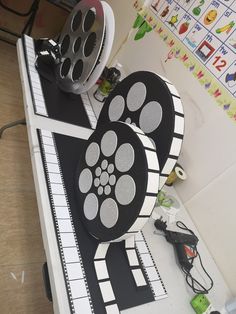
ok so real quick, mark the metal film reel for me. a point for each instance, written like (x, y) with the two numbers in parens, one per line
(105, 50)
(117, 182)
(81, 45)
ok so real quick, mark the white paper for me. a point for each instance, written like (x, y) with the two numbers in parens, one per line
(78, 288)
(71, 255)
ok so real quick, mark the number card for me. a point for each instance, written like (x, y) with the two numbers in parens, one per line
(220, 61)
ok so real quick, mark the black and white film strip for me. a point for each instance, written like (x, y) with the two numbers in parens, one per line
(178, 135)
(149, 266)
(34, 79)
(77, 287)
(136, 269)
(104, 281)
(152, 185)
(89, 110)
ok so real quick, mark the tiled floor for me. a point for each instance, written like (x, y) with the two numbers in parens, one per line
(21, 248)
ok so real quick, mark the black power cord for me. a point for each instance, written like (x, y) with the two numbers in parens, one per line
(192, 282)
(187, 252)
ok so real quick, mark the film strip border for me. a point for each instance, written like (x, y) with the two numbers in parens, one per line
(178, 133)
(135, 247)
(89, 110)
(104, 281)
(34, 79)
(134, 263)
(75, 277)
(150, 268)
(152, 185)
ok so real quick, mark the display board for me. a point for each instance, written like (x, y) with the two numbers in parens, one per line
(202, 35)
(60, 157)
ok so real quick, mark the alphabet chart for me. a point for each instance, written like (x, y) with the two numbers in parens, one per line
(204, 31)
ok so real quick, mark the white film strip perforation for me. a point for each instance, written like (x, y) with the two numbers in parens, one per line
(78, 291)
(134, 264)
(89, 110)
(35, 82)
(149, 267)
(103, 277)
(178, 130)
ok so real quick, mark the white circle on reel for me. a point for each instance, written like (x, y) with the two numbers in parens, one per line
(109, 143)
(109, 213)
(92, 154)
(110, 168)
(104, 178)
(85, 180)
(96, 182)
(124, 158)
(112, 179)
(107, 190)
(98, 171)
(150, 117)
(136, 96)
(91, 206)
(125, 189)
(116, 108)
(104, 164)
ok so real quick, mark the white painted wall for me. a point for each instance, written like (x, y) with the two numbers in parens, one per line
(124, 17)
(209, 149)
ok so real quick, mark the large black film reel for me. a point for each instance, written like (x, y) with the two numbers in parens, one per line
(153, 104)
(117, 181)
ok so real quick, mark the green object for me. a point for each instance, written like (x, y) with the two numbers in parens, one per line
(226, 28)
(108, 84)
(164, 200)
(200, 303)
(143, 27)
(197, 10)
(105, 87)
(138, 22)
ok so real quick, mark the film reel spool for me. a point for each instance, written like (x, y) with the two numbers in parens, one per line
(84, 45)
(105, 50)
(153, 104)
(117, 182)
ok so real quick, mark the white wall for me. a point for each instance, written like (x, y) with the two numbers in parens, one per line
(209, 149)
(124, 17)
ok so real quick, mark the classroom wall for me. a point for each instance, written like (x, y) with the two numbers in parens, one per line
(209, 148)
(124, 17)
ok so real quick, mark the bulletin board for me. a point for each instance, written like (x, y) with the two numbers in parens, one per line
(202, 35)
